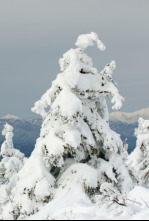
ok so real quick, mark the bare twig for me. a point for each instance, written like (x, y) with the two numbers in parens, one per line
(121, 204)
(146, 174)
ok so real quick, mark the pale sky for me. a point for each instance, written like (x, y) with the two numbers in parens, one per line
(34, 34)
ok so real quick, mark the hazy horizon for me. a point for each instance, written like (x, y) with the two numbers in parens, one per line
(36, 33)
(35, 116)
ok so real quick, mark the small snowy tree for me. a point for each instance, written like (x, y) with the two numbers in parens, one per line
(125, 150)
(12, 159)
(11, 163)
(139, 158)
(76, 144)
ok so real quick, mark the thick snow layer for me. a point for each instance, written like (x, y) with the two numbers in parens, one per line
(76, 175)
(87, 40)
(71, 66)
(68, 206)
(139, 195)
(67, 104)
(73, 204)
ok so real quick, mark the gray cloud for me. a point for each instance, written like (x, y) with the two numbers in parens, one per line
(35, 34)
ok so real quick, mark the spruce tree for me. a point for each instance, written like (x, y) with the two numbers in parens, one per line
(139, 158)
(12, 159)
(11, 163)
(76, 145)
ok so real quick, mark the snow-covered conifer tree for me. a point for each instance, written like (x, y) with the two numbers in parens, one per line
(76, 147)
(11, 163)
(12, 159)
(125, 150)
(139, 158)
(76, 127)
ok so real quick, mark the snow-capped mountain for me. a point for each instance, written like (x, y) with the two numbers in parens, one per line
(10, 117)
(130, 118)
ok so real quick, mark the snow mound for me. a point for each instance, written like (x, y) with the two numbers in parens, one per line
(79, 207)
(77, 175)
(140, 196)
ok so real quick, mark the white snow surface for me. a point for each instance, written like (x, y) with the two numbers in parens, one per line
(72, 103)
(79, 207)
(87, 40)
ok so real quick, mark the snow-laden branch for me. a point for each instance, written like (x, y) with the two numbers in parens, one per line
(110, 86)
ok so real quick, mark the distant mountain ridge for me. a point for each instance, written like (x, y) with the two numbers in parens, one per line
(130, 118)
(25, 132)
(8, 117)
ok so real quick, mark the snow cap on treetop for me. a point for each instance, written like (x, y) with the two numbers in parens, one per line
(7, 128)
(86, 40)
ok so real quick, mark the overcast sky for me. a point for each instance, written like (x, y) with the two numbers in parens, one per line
(34, 34)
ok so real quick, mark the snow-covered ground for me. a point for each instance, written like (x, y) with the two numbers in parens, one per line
(73, 205)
